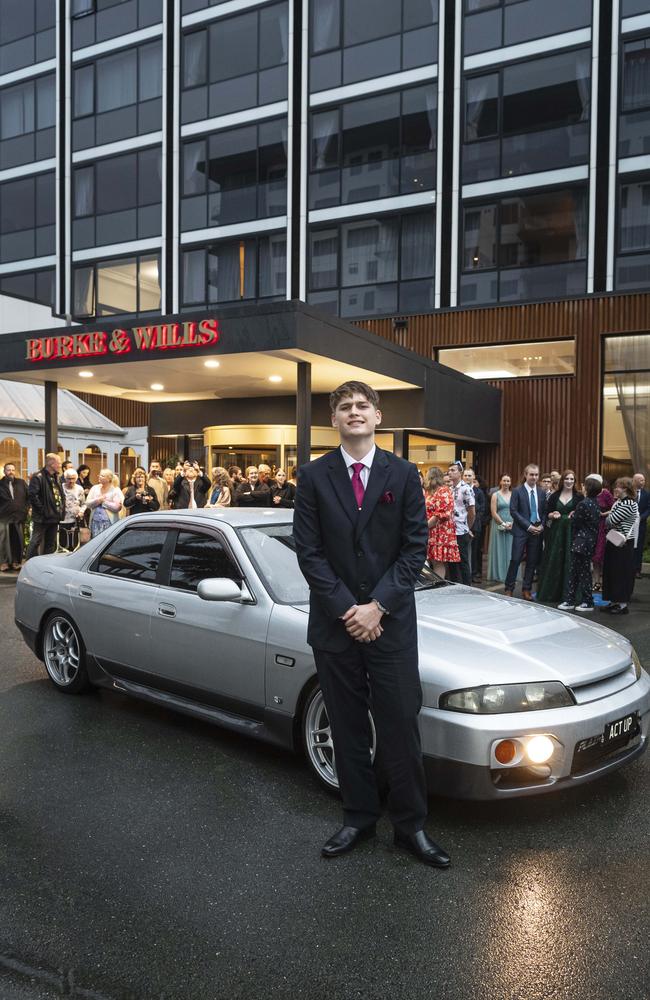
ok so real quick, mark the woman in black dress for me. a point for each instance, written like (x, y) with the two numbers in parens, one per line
(618, 566)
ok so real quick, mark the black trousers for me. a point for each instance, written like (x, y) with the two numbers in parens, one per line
(477, 553)
(45, 534)
(638, 552)
(461, 572)
(532, 546)
(364, 676)
(579, 583)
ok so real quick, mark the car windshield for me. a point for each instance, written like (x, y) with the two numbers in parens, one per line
(272, 549)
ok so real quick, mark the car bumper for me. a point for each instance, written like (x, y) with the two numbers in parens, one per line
(30, 636)
(459, 758)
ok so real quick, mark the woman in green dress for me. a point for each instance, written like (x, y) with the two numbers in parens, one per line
(554, 573)
(500, 547)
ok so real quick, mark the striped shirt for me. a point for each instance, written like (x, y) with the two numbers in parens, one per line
(623, 516)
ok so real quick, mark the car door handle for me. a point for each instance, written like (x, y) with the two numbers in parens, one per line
(167, 610)
(85, 592)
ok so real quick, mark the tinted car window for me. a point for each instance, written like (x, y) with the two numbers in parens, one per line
(134, 555)
(200, 557)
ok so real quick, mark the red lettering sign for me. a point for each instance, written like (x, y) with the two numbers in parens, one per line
(166, 336)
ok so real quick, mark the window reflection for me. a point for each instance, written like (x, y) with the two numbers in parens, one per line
(116, 286)
(117, 199)
(550, 357)
(26, 33)
(27, 115)
(27, 217)
(200, 557)
(491, 24)
(248, 268)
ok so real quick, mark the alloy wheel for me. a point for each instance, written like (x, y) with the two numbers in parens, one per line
(61, 652)
(319, 744)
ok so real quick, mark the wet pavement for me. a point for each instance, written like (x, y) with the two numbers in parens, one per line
(145, 856)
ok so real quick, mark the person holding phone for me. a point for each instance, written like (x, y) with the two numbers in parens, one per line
(140, 497)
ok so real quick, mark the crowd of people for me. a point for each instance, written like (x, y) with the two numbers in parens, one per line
(569, 540)
(573, 540)
(67, 508)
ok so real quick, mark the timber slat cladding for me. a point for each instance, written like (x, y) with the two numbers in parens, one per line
(125, 412)
(554, 421)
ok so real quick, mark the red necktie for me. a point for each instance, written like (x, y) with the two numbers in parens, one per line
(357, 484)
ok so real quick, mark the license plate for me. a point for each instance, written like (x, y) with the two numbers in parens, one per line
(620, 729)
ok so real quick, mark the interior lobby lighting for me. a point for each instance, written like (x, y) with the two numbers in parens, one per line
(86, 375)
(156, 386)
(211, 363)
(275, 378)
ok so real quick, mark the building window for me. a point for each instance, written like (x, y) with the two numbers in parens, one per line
(235, 63)
(629, 7)
(353, 40)
(634, 120)
(491, 24)
(626, 406)
(531, 360)
(32, 286)
(117, 199)
(27, 224)
(234, 176)
(27, 116)
(374, 148)
(97, 20)
(237, 270)
(113, 287)
(528, 117)
(525, 247)
(373, 266)
(27, 33)
(117, 97)
(633, 258)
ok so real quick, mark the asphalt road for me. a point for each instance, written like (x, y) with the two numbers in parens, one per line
(145, 856)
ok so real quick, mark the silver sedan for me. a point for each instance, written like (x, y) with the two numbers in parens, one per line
(206, 611)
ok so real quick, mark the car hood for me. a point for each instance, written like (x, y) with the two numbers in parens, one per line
(469, 637)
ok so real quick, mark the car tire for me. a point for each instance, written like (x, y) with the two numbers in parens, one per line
(64, 654)
(318, 742)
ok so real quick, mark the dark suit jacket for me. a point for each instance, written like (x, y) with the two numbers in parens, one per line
(13, 511)
(644, 505)
(520, 509)
(350, 556)
(180, 492)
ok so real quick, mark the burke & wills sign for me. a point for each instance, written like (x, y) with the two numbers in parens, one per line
(118, 342)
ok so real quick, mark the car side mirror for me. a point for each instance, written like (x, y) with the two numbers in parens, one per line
(219, 589)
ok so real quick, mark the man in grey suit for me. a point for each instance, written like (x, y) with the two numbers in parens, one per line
(528, 510)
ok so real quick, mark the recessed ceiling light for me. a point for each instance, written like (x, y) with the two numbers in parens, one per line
(156, 386)
(85, 374)
(275, 378)
(211, 364)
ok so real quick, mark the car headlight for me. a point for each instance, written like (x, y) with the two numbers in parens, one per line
(637, 663)
(499, 699)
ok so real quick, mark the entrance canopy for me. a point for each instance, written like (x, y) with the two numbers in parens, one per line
(247, 353)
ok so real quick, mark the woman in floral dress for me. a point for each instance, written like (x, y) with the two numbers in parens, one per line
(443, 547)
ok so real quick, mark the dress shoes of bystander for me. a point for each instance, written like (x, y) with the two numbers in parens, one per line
(346, 839)
(423, 848)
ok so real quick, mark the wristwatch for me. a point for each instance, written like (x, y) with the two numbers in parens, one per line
(381, 607)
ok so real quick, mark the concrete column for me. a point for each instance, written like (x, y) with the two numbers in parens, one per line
(400, 444)
(303, 412)
(51, 417)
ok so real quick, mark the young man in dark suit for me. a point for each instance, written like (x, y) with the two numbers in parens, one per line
(361, 537)
(528, 506)
(643, 500)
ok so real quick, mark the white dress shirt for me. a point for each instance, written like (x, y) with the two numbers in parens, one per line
(366, 461)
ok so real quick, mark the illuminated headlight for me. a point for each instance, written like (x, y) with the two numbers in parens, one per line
(504, 698)
(637, 663)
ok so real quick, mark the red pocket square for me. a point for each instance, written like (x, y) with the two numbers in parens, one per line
(387, 498)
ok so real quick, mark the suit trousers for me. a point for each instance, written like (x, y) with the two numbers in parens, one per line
(532, 546)
(366, 677)
(45, 535)
(477, 553)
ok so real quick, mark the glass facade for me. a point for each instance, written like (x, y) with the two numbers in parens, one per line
(235, 63)
(235, 175)
(526, 360)
(528, 117)
(230, 271)
(633, 259)
(626, 405)
(98, 20)
(525, 246)
(117, 199)
(491, 24)
(373, 148)
(26, 33)
(374, 266)
(33, 286)
(129, 285)
(117, 97)
(353, 40)
(27, 117)
(27, 218)
(634, 119)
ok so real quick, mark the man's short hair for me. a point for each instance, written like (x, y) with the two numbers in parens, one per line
(531, 465)
(51, 456)
(348, 389)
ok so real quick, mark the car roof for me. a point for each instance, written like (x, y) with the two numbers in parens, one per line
(238, 517)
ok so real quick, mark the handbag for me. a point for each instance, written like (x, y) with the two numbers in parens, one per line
(616, 538)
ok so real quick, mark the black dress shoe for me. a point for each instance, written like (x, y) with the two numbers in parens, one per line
(346, 839)
(424, 849)
(618, 610)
